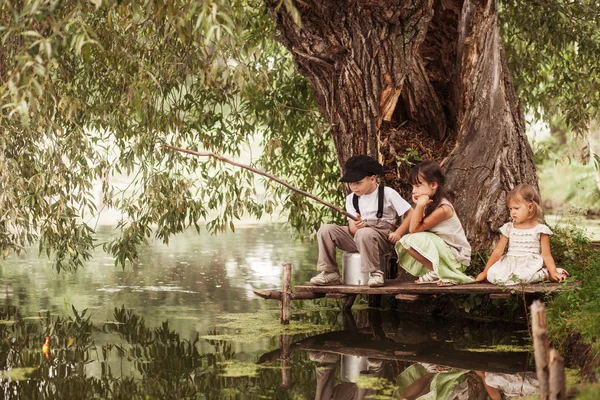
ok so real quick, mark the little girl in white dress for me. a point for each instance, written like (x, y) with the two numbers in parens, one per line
(528, 243)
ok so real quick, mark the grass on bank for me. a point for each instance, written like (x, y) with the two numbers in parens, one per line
(577, 311)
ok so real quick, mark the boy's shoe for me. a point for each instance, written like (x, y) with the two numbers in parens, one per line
(326, 278)
(374, 365)
(376, 279)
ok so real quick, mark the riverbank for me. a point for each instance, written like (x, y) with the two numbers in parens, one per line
(573, 318)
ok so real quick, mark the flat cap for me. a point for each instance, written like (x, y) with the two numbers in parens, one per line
(357, 167)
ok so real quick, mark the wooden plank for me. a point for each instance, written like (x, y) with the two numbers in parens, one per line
(361, 343)
(500, 296)
(276, 295)
(432, 353)
(393, 287)
(335, 295)
(407, 297)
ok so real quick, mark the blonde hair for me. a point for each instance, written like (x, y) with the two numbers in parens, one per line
(524, 193)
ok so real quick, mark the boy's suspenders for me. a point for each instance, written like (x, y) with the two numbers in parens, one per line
(379, 202)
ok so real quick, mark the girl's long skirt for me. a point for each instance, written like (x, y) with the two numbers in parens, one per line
(434, 249)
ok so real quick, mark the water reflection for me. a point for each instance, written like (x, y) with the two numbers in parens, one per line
(389, 354)
(155, 330)
(367, 377)
(190, 282)
(412, 358)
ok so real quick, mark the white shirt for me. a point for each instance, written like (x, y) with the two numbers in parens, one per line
(393, 205)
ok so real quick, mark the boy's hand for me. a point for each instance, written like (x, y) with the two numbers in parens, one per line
(360, 223)
(394, 237)
(481, 277)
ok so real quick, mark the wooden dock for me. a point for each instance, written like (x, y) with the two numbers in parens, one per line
(401, 289)
(363, 344)
(397, 287)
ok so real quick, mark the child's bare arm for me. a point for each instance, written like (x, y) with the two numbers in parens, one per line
(494, 257)
(402, 229)
(548, 259)
(420, 224)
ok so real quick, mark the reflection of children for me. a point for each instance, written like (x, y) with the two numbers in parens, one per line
(436, 250)
(507, 386)
(528, 243)
(423, 381)
(326, 373)
(373, 234)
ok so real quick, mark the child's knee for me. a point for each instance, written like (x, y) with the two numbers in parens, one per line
(365, 235)
(410, 238)
(326, 229)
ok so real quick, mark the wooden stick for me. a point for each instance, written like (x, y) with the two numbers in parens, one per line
(408, 297)
(265, 174)
(286, 371)
(558, 388)
(539, 329)
(276, 295)
(348, 301)
(285, 293)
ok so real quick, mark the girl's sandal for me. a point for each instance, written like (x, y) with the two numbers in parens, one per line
(563, 272)
(430, 277)
(445, 283)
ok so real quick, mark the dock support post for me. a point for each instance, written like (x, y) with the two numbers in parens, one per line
(375, 300)
(348, 301)
(286, 372)
(558, 388)
(541, 346)
(286, 300)
(549, 365)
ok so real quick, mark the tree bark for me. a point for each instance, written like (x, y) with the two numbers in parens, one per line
(407, 80)
(492, 154)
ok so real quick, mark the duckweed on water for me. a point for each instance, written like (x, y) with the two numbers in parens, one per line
(249, 327)
(384, 387)
(236, 369)
(505, 348)
(17, 374)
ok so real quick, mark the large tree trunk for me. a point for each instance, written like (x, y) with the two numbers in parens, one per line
(398, 78)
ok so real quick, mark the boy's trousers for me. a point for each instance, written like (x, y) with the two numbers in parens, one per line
(370, 241)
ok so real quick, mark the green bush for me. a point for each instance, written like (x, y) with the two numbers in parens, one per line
(576, 311)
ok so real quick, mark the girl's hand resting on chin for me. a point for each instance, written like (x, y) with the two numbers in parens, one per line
(423, 200)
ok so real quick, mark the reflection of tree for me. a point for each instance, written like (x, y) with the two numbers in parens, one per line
(136, 361)
(169, 367)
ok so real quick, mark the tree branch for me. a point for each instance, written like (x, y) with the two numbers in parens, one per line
(259, 172)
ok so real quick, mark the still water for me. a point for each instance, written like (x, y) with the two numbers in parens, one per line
(185, 324)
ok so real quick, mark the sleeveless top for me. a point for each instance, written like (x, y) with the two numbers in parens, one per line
(453, 234)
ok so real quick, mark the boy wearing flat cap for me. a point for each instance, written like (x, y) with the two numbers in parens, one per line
(374, 232)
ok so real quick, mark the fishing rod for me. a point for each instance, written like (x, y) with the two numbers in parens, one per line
(263, 173)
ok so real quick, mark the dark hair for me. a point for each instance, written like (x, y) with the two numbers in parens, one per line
(429, 171)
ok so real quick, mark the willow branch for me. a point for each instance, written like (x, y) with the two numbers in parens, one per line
(265, 174)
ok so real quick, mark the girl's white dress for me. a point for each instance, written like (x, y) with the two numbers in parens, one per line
(523, 261)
